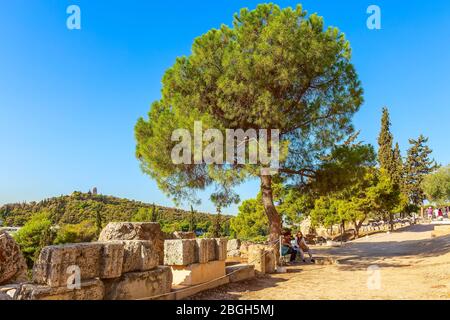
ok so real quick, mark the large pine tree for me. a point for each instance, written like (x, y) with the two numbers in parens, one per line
(418, 165)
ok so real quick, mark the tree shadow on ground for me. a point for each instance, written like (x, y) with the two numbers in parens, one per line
(359, 256)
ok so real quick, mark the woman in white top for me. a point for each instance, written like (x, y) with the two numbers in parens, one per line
(302, 247)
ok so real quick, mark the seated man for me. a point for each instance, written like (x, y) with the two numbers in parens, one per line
(286, 247)
(302, 247)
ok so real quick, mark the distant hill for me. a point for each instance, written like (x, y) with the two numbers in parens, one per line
(78, 207)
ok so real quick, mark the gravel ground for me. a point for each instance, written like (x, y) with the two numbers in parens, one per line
(409, 264)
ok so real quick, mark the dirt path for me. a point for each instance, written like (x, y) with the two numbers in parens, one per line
(411, 265)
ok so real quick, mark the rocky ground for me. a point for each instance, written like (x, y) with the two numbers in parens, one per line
(406, 264)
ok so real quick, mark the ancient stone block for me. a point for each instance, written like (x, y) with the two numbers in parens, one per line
(139, 285)
(150, 231)
(211, 247)
(13, 267)
(139, 256)
(198, 273)
(201, 251)
(240, 272)
(221, 249)
(257, 258)
(179, 252)
(270, 259)
(52, 266)
(243, 250)
(233, 246)
(89, 290)
(111, 260)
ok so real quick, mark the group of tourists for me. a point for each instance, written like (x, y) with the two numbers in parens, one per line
(438, 213)
(295, 246)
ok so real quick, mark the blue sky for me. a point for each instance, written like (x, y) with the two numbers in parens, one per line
(69, 99)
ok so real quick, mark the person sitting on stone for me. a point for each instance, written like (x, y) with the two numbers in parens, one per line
(303, 247)
(286, 247)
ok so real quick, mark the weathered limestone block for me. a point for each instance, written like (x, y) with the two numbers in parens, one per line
(270, 259)
(198, 273)
(221, 249)
(201, 251)
(89, 290)
(211, 247)
(179, 252)
(256, 257)
(112, 256)
(52, 267)
(13, 267)
(244, 250)
(184, 235)
(139, 285)
(150, 231)
(240, 272)
(233, 246)
(139, 255)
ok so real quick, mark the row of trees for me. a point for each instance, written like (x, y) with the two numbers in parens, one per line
(353, 184)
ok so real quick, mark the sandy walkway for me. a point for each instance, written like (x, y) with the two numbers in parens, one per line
(411, 266)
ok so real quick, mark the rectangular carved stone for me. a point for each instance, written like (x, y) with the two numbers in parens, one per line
(198, 273)
(240, 272)
(56, 263)
(270, 259)
(89, 290)
(140, 285)
(233, 247)
(180, 252)
(149, 231)
(211, 245)
(221, 249)
(201, 251)
(139, 256)
(111, 260)
(256, 257)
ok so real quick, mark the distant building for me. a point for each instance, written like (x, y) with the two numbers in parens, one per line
(94, 191)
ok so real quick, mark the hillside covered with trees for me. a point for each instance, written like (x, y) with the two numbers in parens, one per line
(78, 207)
(80, 217)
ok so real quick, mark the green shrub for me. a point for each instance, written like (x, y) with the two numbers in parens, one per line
(85, 231)
(35, 235)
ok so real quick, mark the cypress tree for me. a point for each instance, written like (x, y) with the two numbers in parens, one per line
(385, 143)
(418, 165)
(192, 220)
(390, 158)
(398, 170)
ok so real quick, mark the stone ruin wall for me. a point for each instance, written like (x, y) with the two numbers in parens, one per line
(129, 261)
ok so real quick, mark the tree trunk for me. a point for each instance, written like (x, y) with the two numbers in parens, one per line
(270, 209)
